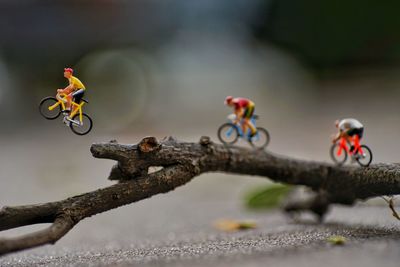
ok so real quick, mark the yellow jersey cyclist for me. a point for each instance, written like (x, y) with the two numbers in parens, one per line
(74, 91)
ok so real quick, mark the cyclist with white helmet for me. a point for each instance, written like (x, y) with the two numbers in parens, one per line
(350, 129)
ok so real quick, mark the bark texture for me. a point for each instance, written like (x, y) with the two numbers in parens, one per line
(179, 162)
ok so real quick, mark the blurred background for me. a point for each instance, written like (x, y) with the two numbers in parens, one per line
(164, 67)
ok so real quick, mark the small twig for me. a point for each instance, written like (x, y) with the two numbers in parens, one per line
(390, 202)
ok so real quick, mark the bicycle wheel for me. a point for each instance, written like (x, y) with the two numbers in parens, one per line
(336, 157)
(261, 139)
(366, 157)
(44, 106)
(228, 133)
(84, 128)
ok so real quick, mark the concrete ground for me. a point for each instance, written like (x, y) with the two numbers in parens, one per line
(177, 229)
(192, 240)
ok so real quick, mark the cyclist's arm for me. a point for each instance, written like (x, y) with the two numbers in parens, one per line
(70, 87)
(239, 114)
(339, 135)
(67, 90)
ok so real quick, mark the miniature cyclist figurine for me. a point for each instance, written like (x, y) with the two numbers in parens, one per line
(244, 109)
(74, 91)
(351, 130)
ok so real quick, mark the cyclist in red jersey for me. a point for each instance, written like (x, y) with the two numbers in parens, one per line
(244, 110)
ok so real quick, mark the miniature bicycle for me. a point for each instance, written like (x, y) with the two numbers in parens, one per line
(229, 133)
(361, 153)
(51, 108)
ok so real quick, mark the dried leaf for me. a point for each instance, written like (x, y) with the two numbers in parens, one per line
(233, 225)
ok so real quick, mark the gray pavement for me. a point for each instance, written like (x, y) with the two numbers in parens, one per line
(195, 242)
(177, 229)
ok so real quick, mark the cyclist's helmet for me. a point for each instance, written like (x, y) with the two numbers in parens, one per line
(228, 100)
(69, 70)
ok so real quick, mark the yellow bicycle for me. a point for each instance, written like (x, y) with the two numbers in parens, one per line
(79, 122)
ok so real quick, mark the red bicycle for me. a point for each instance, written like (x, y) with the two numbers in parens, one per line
(361, 153)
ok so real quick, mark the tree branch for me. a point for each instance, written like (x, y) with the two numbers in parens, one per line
(179, 162)
(50, 235)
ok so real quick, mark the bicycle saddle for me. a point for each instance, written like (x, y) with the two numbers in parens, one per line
(84, 100)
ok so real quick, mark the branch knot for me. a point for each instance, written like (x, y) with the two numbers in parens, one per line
(205, 141)
(149, 144)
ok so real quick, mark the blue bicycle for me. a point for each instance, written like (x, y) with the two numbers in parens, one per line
(229, 133)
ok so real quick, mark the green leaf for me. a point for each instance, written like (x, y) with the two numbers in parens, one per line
(267, 197)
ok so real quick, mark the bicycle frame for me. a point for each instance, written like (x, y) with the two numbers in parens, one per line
(343, 145)
(78, 107)
(239, 129)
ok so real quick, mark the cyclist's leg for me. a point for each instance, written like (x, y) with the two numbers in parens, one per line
(244, 126)
(357, 138)
(349, 140)
(247, 115)
(360, 133)
(354, 140)
(240, 118)
(69, 100)
(77, 97)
